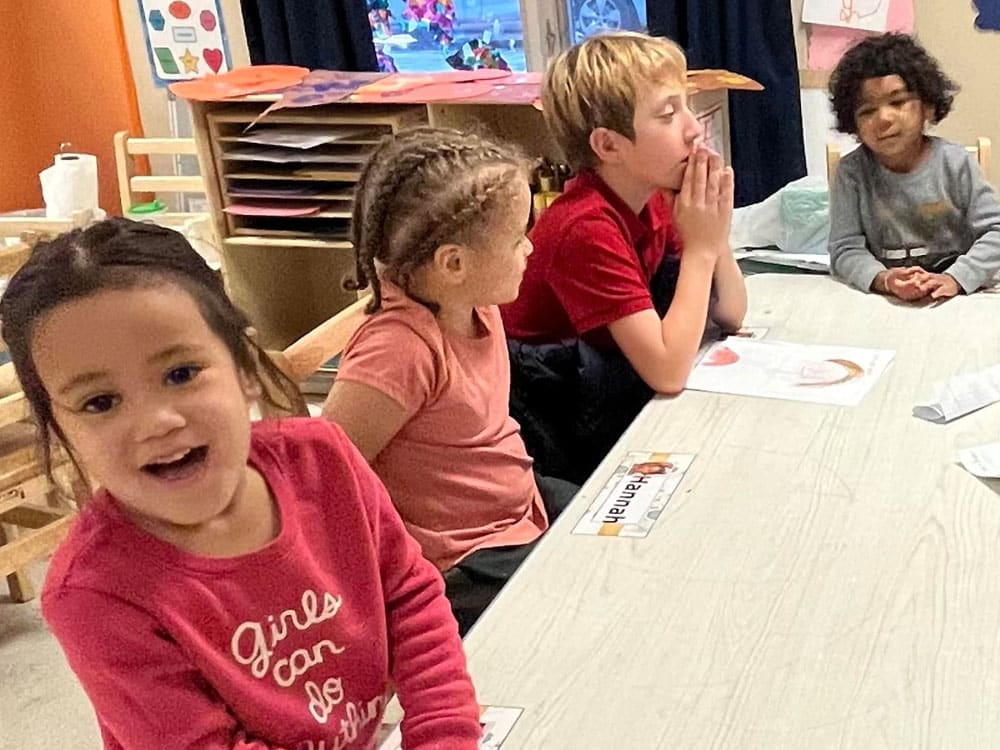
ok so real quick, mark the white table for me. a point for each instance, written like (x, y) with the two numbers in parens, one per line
(823, 577)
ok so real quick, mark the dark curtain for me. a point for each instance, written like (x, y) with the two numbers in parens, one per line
(755, 38)
(316, 34)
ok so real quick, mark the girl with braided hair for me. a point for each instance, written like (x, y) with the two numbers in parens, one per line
(439, 236)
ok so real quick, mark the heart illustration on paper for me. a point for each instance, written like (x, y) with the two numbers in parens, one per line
(212, 58)
(721, 355)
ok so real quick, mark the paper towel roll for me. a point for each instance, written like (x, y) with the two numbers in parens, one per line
(69, 185)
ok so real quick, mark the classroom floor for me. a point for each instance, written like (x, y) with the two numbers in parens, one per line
(41, 705)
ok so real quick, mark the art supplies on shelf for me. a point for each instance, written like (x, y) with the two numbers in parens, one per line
(547, 183)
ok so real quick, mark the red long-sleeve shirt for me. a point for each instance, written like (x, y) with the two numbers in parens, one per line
(292, 646)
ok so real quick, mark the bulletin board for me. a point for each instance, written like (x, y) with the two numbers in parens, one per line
(185, 38)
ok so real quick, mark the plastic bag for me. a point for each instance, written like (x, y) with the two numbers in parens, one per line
(796, 219)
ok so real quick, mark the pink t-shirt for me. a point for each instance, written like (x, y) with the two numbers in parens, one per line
(291, 647)
(458, 471)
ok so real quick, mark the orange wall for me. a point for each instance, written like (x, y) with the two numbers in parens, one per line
(65, 78)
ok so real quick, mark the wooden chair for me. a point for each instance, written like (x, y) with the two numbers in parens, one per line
(34, 514)
(134, 184)
(308, 354)
(982, 150)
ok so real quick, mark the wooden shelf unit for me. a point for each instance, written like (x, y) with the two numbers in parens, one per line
(287, 273)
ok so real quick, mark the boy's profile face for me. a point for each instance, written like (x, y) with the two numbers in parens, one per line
(666, 134)
(891, 121)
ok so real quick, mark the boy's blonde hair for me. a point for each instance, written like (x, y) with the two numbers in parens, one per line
(596, 84)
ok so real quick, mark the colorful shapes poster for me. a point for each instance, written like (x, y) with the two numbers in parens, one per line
(186, 39)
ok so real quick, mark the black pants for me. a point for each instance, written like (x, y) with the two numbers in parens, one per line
(475, 581)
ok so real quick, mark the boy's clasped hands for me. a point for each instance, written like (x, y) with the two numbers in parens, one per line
(913, 283)
(703, 208)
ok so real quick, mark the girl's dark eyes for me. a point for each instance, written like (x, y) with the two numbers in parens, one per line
(182, 375)
(100, 404)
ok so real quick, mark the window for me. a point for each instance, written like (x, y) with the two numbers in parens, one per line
(589, 17)
(435, 35)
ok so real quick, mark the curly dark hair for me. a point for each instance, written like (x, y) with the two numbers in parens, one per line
(886, 55)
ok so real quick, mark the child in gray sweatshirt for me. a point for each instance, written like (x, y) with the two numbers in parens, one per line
(911, 215)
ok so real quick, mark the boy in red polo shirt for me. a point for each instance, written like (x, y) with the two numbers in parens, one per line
(607, 277)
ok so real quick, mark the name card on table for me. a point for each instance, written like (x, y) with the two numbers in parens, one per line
(961, 395)
(982, 461)
(635, 495)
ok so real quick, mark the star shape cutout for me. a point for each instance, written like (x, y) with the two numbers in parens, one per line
(189, 61)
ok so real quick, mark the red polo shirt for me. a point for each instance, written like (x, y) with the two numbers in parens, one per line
(592, 265)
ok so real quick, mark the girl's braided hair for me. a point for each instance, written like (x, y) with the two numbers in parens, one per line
(422, 188)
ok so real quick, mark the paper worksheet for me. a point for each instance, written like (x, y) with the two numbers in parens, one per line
(982, 461)
(496, 721)
(805, 261)
(304, 136)
(839, 375)
(960, 395)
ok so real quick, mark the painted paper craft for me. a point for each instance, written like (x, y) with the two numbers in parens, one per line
(270, 208)
(988, 18)
(252, 79)
(635, 495)
(439, 92)
(868, 15)
(497, 723)
(186, 39)
(838, 375)
(416, 88)
(325, 87)
(710, 79)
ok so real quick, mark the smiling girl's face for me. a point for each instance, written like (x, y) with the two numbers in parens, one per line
(150, 400)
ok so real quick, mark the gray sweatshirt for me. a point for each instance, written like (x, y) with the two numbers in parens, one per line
(945, 207)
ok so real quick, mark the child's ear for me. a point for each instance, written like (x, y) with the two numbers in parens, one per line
(606, 144)
(251, 386)
(929, 112)
(449, 260)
